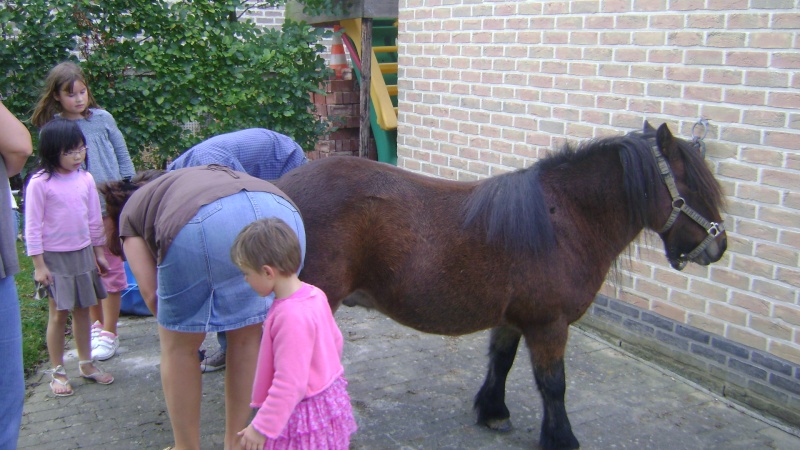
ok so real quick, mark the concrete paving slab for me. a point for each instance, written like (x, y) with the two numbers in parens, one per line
(413, 391)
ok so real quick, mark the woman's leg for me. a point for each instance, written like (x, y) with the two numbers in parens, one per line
(242, 355)
(182, 384)
(12, 386)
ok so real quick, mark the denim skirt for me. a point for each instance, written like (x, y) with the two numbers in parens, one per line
(200, 289)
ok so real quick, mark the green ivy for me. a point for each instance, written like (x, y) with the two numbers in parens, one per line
(158, 65)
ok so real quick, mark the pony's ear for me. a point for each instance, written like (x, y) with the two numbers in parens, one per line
(647, 129)
(665, 141)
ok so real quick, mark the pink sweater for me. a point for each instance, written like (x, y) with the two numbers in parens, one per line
(62, 213)
(300, 356)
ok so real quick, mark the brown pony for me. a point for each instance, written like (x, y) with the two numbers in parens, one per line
(523, 253)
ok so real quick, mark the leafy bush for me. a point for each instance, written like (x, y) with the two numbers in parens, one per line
(159, 65)
(33, 313)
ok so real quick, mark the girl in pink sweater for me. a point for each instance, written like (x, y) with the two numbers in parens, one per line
(299, 387)
(65, 236)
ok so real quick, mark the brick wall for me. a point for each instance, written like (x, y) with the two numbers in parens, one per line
(268, 17)
(490, 86)
(339, 105)
(730, 369)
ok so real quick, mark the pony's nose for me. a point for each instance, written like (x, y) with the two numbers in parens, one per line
(716, 249)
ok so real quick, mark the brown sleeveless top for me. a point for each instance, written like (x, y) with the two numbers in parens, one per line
(159, 210)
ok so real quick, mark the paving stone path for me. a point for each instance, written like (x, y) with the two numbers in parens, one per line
(412, 391)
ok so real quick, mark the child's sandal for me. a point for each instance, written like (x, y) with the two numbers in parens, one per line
(99, 377)
(57, 382)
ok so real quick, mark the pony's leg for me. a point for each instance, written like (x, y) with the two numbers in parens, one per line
(490, 402)
(547, 347)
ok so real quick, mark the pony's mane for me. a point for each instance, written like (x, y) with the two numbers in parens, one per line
(512, 210)
(699, 177)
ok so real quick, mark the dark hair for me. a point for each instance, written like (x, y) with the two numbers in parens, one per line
(116, 194)
(56, 137)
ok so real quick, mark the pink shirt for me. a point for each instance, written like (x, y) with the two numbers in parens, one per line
(300, 356)
(62, 213)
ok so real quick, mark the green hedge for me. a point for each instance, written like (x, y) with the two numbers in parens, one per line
(156, 66)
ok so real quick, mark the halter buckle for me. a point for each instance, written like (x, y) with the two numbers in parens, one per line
(715, 229)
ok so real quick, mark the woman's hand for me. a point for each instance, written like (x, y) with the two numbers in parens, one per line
(251, 439)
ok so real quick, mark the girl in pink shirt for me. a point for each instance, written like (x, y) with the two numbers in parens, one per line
(65, 236)
(299, 389)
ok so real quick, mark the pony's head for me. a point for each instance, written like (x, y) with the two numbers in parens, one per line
(687, 216)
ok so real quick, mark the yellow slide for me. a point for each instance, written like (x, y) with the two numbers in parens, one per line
(379, 93)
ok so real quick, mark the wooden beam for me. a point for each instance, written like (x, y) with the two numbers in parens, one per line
(366, 79)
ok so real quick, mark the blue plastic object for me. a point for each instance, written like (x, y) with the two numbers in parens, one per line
(132, 301)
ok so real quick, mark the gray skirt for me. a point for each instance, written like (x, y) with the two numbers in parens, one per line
(76, 280)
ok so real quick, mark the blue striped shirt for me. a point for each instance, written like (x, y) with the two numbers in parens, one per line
(258, 152)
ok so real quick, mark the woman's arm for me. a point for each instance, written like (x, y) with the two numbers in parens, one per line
(143, 267)
(15, 143)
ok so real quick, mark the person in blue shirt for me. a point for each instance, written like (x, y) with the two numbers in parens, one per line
(258, 152)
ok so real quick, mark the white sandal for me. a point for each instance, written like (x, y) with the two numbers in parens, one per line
(59, 370)
(97, 377)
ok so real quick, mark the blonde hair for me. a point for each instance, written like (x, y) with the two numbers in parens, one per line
(269, 242)
(64, 74)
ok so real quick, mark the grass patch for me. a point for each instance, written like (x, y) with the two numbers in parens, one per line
(33, 313)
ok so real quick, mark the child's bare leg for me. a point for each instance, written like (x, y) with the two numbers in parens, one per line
(241, 361)
(182, 384)
(96, 312)
(83, 334)
(107, 310)
(110, 313)
(56, 325)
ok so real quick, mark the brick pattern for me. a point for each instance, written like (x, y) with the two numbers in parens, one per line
(486, 87)
(340, 107)
(264, 16)
(738, 371)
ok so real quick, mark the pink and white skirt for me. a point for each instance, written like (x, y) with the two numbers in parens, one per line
(322, 422)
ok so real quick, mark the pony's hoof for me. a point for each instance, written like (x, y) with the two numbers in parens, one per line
(564, 442)
(501, 425)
